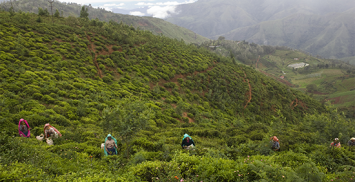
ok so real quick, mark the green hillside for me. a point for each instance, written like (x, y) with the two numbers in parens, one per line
(155, 25)
(323, 79)
(89, 78)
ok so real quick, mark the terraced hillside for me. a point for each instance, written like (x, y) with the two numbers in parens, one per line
(89, 80)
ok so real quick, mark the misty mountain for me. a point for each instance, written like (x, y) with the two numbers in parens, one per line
(331, 36)
(320, 27)
(128, 11)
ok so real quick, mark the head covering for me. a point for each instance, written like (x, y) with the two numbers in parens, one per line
(22, 121)
(185, 136)
(274, 138)
(353, 138)
(113, 138)
(51, 127)
(19, 128)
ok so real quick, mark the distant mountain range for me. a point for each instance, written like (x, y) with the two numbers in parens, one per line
(325, 28)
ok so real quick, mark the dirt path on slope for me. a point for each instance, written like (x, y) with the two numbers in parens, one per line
(249, 93)
(182, 76)
(185, 115)
(295, 104)
(298, 102)
(92, 48)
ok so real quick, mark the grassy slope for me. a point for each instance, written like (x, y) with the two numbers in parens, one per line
(157, 26)
(88, 81)
(340, 84)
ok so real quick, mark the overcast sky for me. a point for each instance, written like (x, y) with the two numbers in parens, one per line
(156, 8)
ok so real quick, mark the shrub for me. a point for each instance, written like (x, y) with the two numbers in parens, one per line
(185, 119)
(48, 99)
(257, 135)
(37, 96)
(115, 48)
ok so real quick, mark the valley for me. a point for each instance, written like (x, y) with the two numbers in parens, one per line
(323, 79)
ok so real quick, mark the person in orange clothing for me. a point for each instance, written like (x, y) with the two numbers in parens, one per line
(336, 143)
(275, 143)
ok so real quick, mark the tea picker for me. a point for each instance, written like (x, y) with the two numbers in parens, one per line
(50, 131)
(110, 146)
(24, 128)
(336, 143)
(187, 142)
(351, 142)
(275, 143)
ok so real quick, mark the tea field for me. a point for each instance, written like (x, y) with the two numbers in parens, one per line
(90, 78)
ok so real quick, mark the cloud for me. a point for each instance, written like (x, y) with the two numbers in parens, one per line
(169, 3)
(144, 4)
(105, 1)
(136, 13)
(163, 9)
(109, 7)
(156, 9)
(115, 5)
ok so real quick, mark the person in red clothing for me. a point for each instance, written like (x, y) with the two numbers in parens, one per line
(336, 143)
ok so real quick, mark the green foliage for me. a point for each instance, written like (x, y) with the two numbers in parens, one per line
(42, 12)
(56, 14)
(84, 13)
(39, 20)
(311, 88)
(148, 94)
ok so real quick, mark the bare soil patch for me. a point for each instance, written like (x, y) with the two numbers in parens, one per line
(185, 115)
(248, 93)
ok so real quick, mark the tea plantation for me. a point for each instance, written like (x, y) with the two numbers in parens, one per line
(89, 78)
